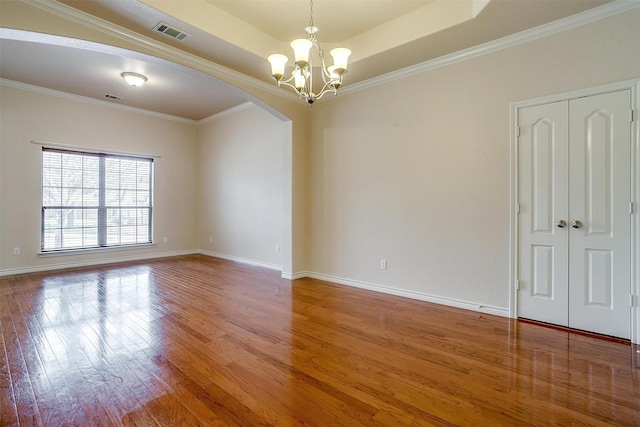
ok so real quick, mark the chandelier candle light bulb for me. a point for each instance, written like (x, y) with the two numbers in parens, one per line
(278, 63)
(335, 77)
(299, 80)
(302, 74)
(301, 48)
(340, 58)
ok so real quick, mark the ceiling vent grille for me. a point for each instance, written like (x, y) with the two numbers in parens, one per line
(113, 97)
(171, 31)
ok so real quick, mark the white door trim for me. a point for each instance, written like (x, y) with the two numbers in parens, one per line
(634, 86)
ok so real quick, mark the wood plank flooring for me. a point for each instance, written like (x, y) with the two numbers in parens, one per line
(195, 340)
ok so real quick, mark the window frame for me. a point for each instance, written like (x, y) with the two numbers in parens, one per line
(103, 207)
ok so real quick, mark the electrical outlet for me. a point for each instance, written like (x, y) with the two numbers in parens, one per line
(165, 240)
(16, 251)
(277, 249)
(210, 239)
(383, 264)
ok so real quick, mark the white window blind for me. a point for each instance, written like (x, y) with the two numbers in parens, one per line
(92, 200)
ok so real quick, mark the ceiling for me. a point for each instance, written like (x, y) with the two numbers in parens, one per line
(384, 35)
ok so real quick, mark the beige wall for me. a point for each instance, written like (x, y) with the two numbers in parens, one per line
(223, 179)
(417, 171)
(240, 199)
(28, 116)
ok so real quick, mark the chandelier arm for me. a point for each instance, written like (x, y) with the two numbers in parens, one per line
(282, 83)
(308, 81)
(308, 95)
(312, 38)
(286, 81)
(325, 72)
(316, 43)
(327, 88)
(326, 75)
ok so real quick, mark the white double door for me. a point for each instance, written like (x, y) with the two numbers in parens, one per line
(574, 191)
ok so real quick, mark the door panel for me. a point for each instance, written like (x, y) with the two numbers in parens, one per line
(543, 160)
(599, 284)
(596, 151)
(542, 272)
(600, 192)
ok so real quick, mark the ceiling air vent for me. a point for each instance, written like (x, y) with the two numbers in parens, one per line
(171, 31)
(113, 97)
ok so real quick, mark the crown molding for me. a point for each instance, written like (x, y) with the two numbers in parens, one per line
(93, 101)
(226, 113)
(610, 9)
(108, 104)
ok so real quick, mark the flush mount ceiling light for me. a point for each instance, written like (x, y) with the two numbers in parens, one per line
(134, 79)
(302, 75)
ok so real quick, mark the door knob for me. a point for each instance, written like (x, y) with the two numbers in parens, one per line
(576, 224)
(561, 223)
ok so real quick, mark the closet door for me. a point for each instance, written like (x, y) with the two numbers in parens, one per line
(543, 220)
(600, 194)
(574, 188)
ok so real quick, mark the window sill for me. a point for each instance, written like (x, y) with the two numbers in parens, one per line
(67, 252)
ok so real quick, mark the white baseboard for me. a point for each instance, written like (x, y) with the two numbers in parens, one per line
(497, 311)
(294, 276)
(89, 263)
(241, 260)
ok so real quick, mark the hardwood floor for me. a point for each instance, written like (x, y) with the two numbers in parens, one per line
(198, 341)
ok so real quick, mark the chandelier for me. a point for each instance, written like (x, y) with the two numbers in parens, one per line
(301, 79)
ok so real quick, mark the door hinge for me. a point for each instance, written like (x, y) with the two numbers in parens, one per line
(517, 207)
(517, 285)
(632, 301)
(631, 207)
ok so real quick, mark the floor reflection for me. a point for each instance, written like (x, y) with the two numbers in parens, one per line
(96, 331)
(560, 368)
(101, 315)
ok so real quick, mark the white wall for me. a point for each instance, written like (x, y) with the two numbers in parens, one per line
(241, 187)
(417, 171)
(28, 116)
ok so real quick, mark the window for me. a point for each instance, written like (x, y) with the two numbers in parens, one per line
(95, 200)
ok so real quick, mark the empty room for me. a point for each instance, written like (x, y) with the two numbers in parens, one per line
(320, 213)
